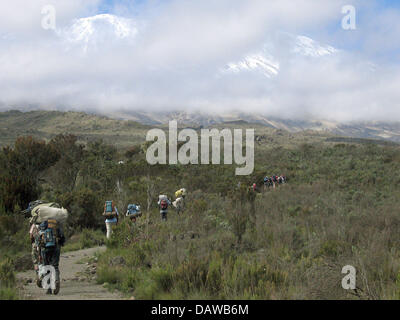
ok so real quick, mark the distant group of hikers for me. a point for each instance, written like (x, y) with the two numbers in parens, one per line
(270, 181)
(274, 180)
(111, 213)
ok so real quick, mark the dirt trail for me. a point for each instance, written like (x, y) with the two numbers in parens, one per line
(77, 281)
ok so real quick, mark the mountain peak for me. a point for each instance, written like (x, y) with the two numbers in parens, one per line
(255, 62)
(309, 47)
(98, 29)
(266, 63)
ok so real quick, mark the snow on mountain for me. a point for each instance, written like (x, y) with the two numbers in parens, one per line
(95, 31)
(90, 32)
(308, 47)
(255, 62)
(267, 64)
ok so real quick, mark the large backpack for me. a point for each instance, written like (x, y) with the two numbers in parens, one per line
(38, 217)
(48, 233)
(134, 210)
(109, 209)
(44, 213)
(178, 203)
(164, 204)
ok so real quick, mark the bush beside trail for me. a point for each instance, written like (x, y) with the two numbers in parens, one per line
(293, 250)
(7, 280)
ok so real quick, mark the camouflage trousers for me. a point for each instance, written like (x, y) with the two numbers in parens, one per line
(35, 254)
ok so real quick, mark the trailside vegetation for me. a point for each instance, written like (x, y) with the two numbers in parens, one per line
(340, 207)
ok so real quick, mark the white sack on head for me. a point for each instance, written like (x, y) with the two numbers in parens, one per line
(177, 202)
(45, 213)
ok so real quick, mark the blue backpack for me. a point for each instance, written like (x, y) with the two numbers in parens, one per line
(109, 206)
(47, 235)
(133, 210)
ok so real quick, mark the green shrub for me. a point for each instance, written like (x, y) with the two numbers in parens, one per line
(8, 294)
(147, 289)
(163, 277)
(7, 276)
(214, 281)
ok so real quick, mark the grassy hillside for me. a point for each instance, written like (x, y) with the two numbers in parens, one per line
(47, 124)
(125, 133)
(389, 131)
(340, 206)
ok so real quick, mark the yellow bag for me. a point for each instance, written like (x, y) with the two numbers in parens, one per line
(180, 193)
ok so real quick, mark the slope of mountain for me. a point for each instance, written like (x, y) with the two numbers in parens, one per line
(87, 127)
(126, 133)
(128, 130)
(368, 130)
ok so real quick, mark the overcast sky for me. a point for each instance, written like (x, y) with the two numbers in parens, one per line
(173, 55)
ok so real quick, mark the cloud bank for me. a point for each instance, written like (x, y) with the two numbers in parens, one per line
(174, 55)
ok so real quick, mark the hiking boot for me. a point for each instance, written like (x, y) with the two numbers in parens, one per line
(48, 291)
(38, 281)
(57, 289)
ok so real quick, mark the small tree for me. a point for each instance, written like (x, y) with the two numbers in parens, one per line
(65, 171)
(20, 169)
(238, 216)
